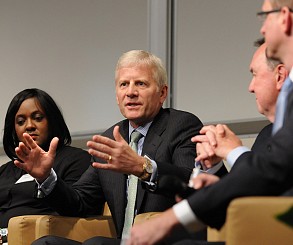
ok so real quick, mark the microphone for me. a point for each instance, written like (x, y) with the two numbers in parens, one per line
(170, 186)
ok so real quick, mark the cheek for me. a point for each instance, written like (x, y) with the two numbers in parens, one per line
(44, 129)
(19, 131)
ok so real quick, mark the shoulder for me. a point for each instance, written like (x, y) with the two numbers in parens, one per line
(72, 152)
(123, 127)
(5, 166)
(181, 116)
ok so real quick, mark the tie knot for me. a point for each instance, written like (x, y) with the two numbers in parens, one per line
(135, 136)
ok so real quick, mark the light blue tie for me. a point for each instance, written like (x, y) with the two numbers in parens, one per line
(132, 189)
(281, 105)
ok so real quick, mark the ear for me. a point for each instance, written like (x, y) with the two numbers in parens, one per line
(286, 20)
(281, 75)
(164, 93)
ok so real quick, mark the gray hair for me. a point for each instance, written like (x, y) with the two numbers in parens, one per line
(144, 58)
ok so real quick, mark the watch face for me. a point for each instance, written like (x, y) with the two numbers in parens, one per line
(149, 168)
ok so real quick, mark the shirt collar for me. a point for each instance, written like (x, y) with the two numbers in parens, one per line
(142, 129)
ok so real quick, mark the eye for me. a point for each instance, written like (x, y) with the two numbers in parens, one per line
(123, 84)
(140, 83)
(20, 121)
(39, 117)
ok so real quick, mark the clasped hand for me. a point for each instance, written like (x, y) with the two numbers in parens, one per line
(215, 143)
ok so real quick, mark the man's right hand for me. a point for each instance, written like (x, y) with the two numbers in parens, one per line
(221, 139)
(33, 159)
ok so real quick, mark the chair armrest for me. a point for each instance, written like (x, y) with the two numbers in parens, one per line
(78, 229)
(145, 216)
(21, 229)
(252, 220)
(214, 235)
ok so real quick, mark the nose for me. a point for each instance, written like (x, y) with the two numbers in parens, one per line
(251, 86)
(30, 126)
(262, 29)
(132, 90)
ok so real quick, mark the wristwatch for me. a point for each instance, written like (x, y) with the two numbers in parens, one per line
(147, 169)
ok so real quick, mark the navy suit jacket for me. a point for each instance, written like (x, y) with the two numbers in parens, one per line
(261, 173)
(167, 142)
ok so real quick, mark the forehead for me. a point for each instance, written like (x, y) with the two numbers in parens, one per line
(30, 104)
(259, 58)
(134, 71)
(267, 5)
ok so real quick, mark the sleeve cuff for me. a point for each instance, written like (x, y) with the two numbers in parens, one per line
(48, 185)
(234, 154)
(186, 216)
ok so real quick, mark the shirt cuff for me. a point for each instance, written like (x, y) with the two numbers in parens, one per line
(213, 169)
(48, 185)
(186, 217)
(234, 154)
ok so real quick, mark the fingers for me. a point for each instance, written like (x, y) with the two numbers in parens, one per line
(101, 147)
(29, 142)
(203, 180)
(201, 153)
(53, 146)
(211, 138)
(19, 164)
(22, 151)
(103, 166)
(207, 135)
(199, 138)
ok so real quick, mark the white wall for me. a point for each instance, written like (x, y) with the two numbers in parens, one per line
(70, 47)
(213, 49)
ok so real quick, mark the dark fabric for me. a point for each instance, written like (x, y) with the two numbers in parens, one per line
(167, 142)
(18, 199)
(261, 141)
(102, 241)
(254, 174)
(54, 240)
(193, 242)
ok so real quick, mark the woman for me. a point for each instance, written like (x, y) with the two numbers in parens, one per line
(34, 111)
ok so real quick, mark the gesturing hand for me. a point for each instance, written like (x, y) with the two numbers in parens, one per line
(123, 159)
(33, 159)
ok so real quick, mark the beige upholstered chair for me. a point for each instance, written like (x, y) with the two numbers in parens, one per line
(251, 220)
(22, 230)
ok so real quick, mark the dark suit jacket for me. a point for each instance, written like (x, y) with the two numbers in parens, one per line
(167, 142)
(268, 173)
(262, 140)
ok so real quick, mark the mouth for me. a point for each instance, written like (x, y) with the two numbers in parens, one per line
(34, 136)
(132, 105)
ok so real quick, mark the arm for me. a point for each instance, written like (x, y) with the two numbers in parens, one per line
(84, 198)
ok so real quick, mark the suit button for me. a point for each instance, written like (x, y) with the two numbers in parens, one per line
(269, 148)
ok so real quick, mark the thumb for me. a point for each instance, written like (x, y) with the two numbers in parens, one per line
(117, 135)
(53, 147)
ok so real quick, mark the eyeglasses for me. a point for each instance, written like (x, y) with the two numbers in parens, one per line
(264, 14)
